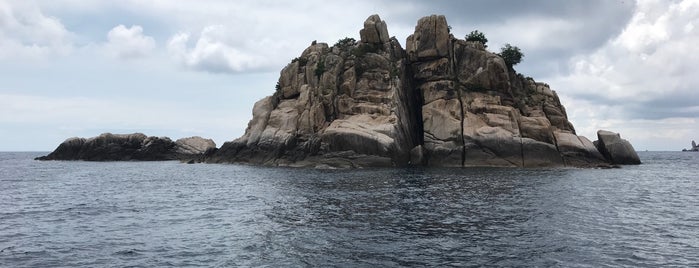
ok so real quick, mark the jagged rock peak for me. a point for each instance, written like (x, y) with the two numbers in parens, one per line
(431, 38)
(375, 31)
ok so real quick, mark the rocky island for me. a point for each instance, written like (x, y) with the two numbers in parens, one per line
(131, 147)
(694, 148)
(441, 102)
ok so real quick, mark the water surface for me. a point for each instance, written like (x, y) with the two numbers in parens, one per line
(116, 214)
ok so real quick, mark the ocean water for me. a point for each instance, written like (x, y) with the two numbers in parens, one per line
(168, 214)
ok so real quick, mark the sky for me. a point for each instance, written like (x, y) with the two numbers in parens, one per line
(195, 68)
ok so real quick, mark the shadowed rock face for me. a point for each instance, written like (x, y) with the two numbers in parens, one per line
(615, 149)
(130, 147)
(441, 102)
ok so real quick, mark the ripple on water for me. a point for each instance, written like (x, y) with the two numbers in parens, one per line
(152, 214)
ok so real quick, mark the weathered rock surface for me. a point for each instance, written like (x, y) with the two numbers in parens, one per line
(616, 149)
(350, 105)
(194, 145)
(131, 147)
(478, 112)
(442, 102)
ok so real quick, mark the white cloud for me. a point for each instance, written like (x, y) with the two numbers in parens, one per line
(216, 51)
(643, 79)
(254, 36)
(129, 43)
(26, 33)
(622, 81)
(653, 58)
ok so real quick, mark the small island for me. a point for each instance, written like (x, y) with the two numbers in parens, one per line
(441, 102)
(131, 147)
(694, 148)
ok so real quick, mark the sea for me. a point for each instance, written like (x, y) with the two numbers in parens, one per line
(170, 214)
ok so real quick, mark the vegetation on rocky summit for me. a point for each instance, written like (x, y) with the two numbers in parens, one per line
(478, 37)
(511, 54)
(346, 42)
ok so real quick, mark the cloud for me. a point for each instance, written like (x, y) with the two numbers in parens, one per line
(128, 43)
(643, 81)
(548, 32)
(26, 33)
(58, 118)
(255, 36)
(215, 51)
(649, 70)
(621, 64)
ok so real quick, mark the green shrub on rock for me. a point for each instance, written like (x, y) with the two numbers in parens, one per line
(320, 68)
(478, 37)
(511, 54)
(345, 42)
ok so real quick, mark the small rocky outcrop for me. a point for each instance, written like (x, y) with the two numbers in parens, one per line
(131, 147)
(442, 101)
(615, 149)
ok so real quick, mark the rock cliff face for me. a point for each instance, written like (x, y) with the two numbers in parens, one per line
(442, 102)
(478, 112)
(131, 147)
(349, 105)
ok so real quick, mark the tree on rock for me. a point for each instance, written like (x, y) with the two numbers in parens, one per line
(478, 37)
(511, 54)
(320, 68)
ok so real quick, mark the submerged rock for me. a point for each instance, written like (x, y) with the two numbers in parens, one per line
(442, 102)
(131, 147)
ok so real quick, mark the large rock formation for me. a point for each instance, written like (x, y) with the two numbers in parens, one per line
(615, 149)
(478, 112)
(349, 105)
(443, 102)
(131, 147)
